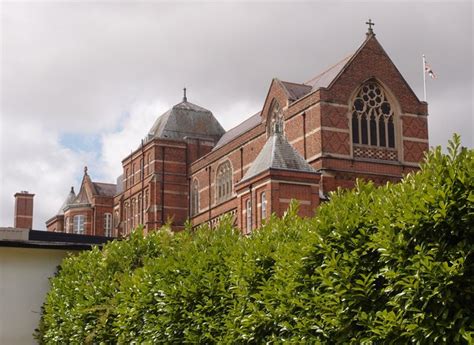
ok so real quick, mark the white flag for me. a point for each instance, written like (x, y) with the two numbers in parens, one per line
(429, 71)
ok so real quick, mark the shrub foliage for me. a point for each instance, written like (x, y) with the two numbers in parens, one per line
(393, 264)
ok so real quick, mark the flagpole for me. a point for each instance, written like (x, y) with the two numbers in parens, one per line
(424, 78)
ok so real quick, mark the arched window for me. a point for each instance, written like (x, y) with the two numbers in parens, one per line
(224, 182)
(263, 200)
(79, 224)
(133, 214)
(275, 118)
(108, 224)
(372, 117)
(194, 197)
(248, 208)
(127, 218)
(150, 170)
(116, 220)
(133, 174)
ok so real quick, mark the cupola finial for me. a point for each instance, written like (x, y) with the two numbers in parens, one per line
(185, 99)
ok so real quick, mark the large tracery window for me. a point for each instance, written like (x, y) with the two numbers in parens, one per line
(224, 182)
(372, 117)
(194, 198)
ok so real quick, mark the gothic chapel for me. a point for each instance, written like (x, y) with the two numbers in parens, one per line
(357, 119)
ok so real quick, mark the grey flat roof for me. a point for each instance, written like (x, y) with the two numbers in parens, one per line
(24, 238)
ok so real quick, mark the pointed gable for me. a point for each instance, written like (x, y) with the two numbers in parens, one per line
(370, 61)
(276, 92)
(86, 192)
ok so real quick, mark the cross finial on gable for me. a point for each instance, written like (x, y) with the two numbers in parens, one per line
(185, 99)
(370, 23)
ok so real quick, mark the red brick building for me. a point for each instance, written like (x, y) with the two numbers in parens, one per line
(357, 119)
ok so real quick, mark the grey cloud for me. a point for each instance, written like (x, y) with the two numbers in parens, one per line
(80, 66)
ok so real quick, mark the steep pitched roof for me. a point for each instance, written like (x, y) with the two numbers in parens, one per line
(105, 189)
(186, 119)
(278, 154)
(325, 78)
(231, 134)
(69, 200)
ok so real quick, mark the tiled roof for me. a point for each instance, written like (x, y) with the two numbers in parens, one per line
(251, 122)
(277, 153)
(325, 78)
(105, 189)
(186, 119)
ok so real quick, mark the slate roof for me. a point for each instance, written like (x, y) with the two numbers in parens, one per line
(251, 122)
(105, 189)
(186, 119)
(325, 78)
(295, 90)
(69, 200)
(277, 153)
(101, 189)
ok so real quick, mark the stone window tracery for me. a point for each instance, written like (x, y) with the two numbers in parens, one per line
(224, 182)
(275, 118)
(373, 117)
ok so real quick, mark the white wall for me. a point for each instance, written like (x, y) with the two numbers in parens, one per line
(24, 274)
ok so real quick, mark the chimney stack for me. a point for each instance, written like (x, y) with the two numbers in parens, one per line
(23, 210)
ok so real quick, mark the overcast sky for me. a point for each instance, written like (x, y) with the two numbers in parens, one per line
(82, 82)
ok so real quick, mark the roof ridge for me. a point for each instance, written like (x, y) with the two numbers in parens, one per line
(294, 83)
(328, 69)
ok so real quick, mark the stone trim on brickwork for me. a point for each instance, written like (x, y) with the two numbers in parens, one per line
(416, 139)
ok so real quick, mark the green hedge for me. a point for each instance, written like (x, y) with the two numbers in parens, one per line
(393, 264)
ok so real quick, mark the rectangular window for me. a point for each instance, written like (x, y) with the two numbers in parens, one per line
(108, 224)
(264, 206)
(249, 216)
(79, 224)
